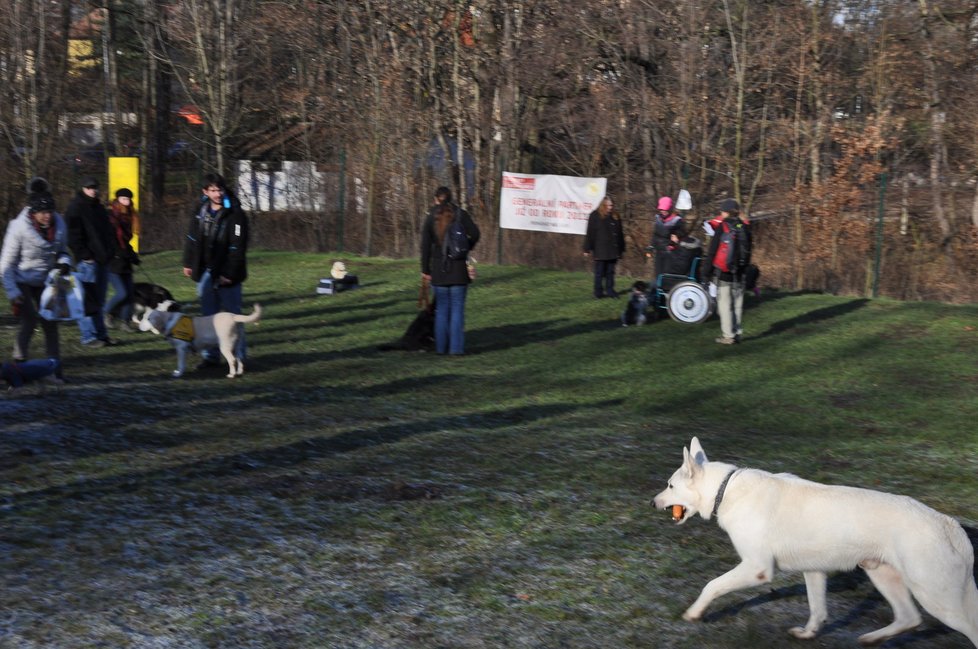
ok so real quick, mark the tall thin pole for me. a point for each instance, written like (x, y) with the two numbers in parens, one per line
(879, 235)
(341, 201)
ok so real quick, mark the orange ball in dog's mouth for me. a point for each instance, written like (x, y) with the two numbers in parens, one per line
(678, 511)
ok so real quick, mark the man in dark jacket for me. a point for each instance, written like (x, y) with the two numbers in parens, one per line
(727, 260)
(605, 241)
(214, 254)
(93, 242)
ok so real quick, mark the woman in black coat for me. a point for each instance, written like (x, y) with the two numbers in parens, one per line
(449, 277)
(605, 241)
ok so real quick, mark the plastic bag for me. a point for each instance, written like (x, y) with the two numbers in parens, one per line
(63, 298)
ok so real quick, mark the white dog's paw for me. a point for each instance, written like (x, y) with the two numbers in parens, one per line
(802, 633)
(231, 375)
(691, 616)
(177, 374)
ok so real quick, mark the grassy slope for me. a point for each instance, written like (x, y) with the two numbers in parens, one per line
(337, 496)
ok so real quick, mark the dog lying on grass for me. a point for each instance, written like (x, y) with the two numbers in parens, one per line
(781, 521)
(187, 333)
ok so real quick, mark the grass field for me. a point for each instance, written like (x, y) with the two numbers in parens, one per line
(337, 496)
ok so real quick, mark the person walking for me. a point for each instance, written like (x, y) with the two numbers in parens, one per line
(605, 242)
(93, 242)
(449, 277)
(122, 216)
(215, 255)
(36, 242)
(728, 259)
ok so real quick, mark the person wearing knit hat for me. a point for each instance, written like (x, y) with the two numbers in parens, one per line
(35, 244)
(727, 260)
(667, 229)
(122, 216)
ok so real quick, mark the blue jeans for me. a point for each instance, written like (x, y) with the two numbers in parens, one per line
(604, 277)
(450, 319)
(214, 298)
(93, 327)
(121, 295)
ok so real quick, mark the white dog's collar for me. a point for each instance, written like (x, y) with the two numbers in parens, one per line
(720, 492)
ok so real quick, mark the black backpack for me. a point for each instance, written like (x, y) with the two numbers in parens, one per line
(456, 243)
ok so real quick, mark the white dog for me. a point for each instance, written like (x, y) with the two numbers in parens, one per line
(188, 333)
(782, 521)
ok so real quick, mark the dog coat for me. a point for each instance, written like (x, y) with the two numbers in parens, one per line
(181, 328)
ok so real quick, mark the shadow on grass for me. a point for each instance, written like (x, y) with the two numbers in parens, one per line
(288, 456)
(493, 339)
(818, 315)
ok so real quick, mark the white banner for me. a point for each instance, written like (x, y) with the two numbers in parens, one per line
(548, 203)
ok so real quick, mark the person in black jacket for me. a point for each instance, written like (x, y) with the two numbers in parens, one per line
(667, 230)
(727, 259)
(449, 277)
(605, 241)
(123, 217)
(93, 242)
(214, 255)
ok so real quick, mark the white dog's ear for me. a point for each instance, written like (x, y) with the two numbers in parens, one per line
(696, 449)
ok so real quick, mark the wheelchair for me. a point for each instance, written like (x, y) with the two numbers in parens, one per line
(683, 297)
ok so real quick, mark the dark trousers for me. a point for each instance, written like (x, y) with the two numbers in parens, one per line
(29, 319)
(604, 277)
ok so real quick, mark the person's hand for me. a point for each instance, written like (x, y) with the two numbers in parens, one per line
(587, 253)
(187, 272)
(223, 281)
(425, 277)
(17, 305)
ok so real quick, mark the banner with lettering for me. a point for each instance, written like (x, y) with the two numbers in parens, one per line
(548, 203)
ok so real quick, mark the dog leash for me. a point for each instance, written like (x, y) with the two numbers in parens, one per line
(424, 297)
(723, 488)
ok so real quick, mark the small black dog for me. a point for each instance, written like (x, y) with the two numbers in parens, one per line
(638, 303)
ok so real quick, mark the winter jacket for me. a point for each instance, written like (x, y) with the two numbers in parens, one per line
(125, 257)
(712, 269)
(605, 238)
(27, 256)
(90, 235)
(445, 272)
(223, 250)
(663, 228)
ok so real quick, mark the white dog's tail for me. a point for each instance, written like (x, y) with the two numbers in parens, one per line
(254, 316)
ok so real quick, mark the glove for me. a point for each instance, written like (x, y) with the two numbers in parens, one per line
(64, 269)
(135, 261)
(17, 305)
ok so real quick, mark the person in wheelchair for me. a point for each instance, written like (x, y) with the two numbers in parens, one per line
(667, 229)
(681, 263)
(680, 259)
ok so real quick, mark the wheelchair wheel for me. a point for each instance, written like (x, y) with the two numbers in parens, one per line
(689, 303)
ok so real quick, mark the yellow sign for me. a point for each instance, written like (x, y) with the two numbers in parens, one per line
(124, 172)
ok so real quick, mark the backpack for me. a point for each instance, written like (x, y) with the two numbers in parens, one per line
(733, 252)
(456, 243)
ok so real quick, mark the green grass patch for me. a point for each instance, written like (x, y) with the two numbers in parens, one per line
(340, 496)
